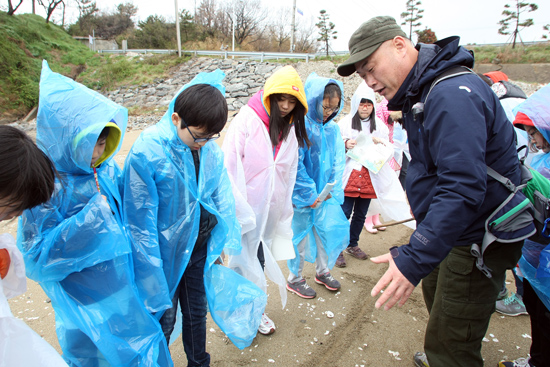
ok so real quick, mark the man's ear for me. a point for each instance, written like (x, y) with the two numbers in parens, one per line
(399, 43)
(176, 120)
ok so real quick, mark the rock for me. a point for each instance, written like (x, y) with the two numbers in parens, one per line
(235, 88)
(239, 94)
(264, 69)
(148, 91)
(237, 104)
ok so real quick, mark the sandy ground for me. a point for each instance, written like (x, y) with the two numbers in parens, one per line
(357, 335)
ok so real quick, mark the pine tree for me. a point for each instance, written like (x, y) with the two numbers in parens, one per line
(326, 29)
(512, 18)
(547, 29)
(412, 15)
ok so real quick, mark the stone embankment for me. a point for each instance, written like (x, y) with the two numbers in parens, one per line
(243, 79)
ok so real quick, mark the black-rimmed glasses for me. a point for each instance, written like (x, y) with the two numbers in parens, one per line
(328, 109)
(200, 140)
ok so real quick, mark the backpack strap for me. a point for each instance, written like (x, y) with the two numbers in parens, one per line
(478, 250)
(447, 74)
(418, 108)
(500, 178)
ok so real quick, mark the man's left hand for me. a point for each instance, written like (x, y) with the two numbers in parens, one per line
(396, 287)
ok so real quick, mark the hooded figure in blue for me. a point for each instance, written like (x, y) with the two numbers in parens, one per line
(533, 116)
(75, 245)
(320, 232)
(161, 207)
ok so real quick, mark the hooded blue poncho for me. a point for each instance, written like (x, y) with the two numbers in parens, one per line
(75, 245)
(161, 208)
(535, 261)
(322, 163)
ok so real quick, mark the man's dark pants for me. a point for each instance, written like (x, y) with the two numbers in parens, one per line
(460, 300)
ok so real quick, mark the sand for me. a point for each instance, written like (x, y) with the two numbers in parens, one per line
(357, 335)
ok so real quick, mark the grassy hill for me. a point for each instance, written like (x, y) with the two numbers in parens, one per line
(24, 41)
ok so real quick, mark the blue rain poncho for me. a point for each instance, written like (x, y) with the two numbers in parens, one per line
(75, 245)
(535, 261)
(161, 208)
(322, 163)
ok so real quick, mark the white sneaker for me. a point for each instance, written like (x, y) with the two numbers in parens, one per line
(267, 326)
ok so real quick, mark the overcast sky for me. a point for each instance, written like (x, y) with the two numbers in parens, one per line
(475, 21)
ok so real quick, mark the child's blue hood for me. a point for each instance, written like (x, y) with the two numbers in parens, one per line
(315, 90)
(70, 119)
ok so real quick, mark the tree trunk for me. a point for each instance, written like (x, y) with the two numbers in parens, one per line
(11, 9)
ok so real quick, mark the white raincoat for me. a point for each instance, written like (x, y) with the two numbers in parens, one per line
(390, 194)
(262, 181)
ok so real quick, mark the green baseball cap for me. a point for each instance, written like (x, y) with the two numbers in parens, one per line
(367, 38)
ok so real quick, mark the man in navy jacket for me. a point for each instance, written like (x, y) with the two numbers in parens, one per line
(461, 130)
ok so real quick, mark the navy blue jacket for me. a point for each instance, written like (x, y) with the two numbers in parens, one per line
(463, 130)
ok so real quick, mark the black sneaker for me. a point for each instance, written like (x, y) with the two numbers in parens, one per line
(328, 281)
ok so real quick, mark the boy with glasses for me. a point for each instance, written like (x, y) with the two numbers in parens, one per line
(180, 211)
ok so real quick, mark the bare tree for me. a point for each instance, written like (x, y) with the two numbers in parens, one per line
(11, 8)
(249, 18)
(49, 6)
(280, 29)
(512, 16)
(205, 16)
(305, 36)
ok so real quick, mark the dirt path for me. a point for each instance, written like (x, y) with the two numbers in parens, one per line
(357, 335)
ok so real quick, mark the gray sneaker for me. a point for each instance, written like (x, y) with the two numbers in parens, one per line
(302, 289)
(511, 306)
(420, 360)
(502, 294)
(328, 281)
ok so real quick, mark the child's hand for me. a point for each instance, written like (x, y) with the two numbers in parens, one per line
(350, 144)
(5, 262)
(314, 203)
(377, 140)
(328, 196)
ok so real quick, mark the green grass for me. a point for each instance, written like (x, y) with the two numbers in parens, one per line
(25, 40)
(532, 54)
(110, 72)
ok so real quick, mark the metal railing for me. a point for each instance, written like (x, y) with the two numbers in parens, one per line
(225, 54)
